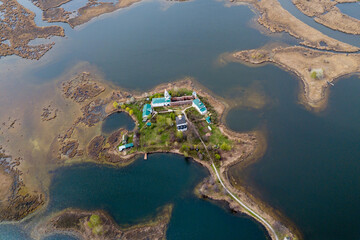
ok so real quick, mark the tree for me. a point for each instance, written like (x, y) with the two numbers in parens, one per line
(95, 220)
(313, 75)
(115, 104)
(179, 135)
(169, 122)
(123, 106)
(172, 116)
(217, 156)
(131, 112)
(226, 147)
(127, 109)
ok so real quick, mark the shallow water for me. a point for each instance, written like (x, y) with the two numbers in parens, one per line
(351, 9)
(132, 194)
(348, 38)
(116, 121)
(310, 171)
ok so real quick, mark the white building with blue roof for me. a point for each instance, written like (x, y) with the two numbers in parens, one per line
(198, 105)
(163, 101)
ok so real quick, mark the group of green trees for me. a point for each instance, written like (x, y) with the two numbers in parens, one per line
(123, 106)
(95, 224)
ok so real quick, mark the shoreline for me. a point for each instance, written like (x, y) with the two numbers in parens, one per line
(90, 109)
(302, 61)
(277, 19)
(253, 150)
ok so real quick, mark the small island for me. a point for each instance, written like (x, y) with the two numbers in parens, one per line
(317, 70)
(178, 117)
(93, 225)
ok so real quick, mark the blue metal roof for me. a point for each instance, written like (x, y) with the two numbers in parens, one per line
(208, 119)
(129, 145)
(199, 104)
(146, 110)
(160, 100)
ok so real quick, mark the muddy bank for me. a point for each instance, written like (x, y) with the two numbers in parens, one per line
(317, 69)
(275, 18)
(16, 201)
(327, 14)
(82, 224)
(53, 12)
(17, 29)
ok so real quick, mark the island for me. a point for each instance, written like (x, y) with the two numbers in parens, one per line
(317, 69)
(277, 19)
(178, 117)
(18, 28)
(92, 225)
(327, 14)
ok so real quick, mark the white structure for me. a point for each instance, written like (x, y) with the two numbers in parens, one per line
(181, 123)
(163, 101)
(198, 105)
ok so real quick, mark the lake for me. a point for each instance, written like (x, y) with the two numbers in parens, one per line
(310, 171)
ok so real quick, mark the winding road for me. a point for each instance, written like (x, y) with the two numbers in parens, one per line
(261, 219)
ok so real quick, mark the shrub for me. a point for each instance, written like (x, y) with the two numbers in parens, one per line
(172, 116)
(226, 147)
(179, 135)
(115, 104)
(131, 112)
(217, 156)
(127, 109)
(123, 106)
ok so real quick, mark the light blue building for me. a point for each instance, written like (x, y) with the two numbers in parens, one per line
(147, 110)
(126, 146)
(163, 101)
(198, 105)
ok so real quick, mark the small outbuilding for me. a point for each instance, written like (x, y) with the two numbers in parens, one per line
(181, 123)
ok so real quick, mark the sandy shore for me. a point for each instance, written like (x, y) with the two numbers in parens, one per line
(76, 222)
(302, 61)
(327, 14)
(18, 28)
(275, 18)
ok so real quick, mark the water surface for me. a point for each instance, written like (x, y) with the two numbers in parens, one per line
(116, 121)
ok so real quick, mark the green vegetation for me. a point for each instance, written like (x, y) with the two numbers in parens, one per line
(313, 75)
(180, 92)
(95, 224)
(115, 104)
(163, 135)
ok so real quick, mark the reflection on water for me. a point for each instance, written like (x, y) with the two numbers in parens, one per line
(311, 169)
(133, 193)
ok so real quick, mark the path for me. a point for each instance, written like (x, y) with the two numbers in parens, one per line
(261, 219)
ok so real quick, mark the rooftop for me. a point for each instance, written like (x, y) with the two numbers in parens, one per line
(199, 104)
(160, 100)
(180, 120)
(146, 110)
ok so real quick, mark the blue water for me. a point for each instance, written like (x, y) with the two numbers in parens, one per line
(347, 38)
(144, 46)
(310, 170)
(134, 193)
(116, 121)
(351, 9)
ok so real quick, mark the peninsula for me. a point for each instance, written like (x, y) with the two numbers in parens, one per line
(317, 69)
(178, 117)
